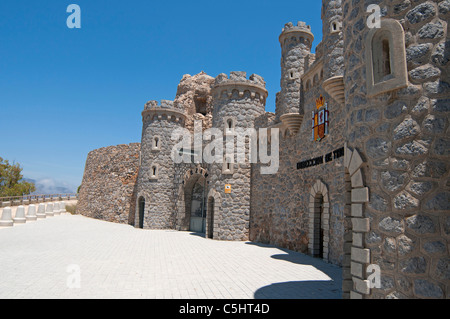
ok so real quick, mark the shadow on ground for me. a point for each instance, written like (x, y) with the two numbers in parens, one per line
(198, 234)
(299, 290)
(317, 289)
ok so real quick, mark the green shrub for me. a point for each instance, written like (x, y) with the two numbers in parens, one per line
(72, 209)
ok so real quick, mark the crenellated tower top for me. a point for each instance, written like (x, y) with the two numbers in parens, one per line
(163, 110)
(300, 33)
(238, 84)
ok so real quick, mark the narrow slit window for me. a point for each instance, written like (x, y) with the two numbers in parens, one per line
(156, 143)
(381, 56)
(386, 58)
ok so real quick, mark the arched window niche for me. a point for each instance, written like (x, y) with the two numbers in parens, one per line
(228, 165)
(156, 143)
(386, 58)
(229, 125)
(154, 172)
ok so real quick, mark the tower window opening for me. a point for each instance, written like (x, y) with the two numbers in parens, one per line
(154, 170)
(200, 105)
(386, 58)
(381, 53)
(386, 66)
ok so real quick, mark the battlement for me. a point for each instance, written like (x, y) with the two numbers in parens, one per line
(301, 26)
(301, 30)
(162, 110)
(240, 77)
(238, 83)
(165, 104)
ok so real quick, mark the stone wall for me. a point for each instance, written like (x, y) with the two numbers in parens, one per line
(280, 202)
(280, 212)
(402, 134)
(108, 187)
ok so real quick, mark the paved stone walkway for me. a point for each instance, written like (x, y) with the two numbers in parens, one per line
(42, 259)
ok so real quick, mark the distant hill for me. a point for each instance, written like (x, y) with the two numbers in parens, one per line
(49, 186)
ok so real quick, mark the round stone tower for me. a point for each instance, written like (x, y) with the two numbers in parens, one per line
(333, 51)
(156, 187)
(237, 102)
(296, 42)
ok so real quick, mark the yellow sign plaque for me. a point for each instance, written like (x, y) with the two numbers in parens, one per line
(227, 189)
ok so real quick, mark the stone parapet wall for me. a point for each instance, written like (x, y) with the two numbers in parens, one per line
(108, 187)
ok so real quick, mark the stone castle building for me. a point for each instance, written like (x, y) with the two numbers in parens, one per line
(363, 176)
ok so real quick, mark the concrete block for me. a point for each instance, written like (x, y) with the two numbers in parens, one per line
(62, 207)
(49, 210)
(361, 286)
(6, 204)
(20, 215)
(357, 180)
(360, 255)
(360, 195)
(357, 269)
(31, 213)
(56, 210)
(357, 210)
(355, 163)
(357, 240)
(361, 225)
(347, 157)
(41, 211)
(6, 220)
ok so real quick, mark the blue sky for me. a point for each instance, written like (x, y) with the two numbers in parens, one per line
(65, 92)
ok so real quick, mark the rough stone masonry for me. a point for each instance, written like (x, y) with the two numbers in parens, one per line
(380, 97)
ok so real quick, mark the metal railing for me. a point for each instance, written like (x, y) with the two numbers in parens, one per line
(33, 199)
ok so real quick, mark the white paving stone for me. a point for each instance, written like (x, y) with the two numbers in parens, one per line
(119, 261)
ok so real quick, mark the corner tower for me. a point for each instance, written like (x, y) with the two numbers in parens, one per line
(156, 179)
(296, 42)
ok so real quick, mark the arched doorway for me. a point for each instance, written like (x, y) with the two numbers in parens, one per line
(318, 226)
(319, 216)
(191, 202)
(141, 207)
(197, 221)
